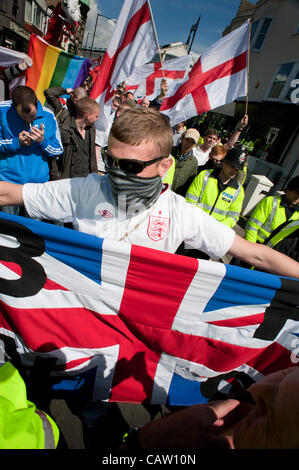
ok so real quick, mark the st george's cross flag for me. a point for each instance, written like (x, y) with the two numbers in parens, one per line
(218, 77)
(125, 323)
(146, 79)
(132, 44)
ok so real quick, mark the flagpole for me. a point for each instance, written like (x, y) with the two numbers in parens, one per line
(247, 86)
(155, 32)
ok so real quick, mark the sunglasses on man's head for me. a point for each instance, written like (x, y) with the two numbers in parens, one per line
(127, 165)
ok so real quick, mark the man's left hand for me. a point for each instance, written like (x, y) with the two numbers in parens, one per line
(36, 134)
(244, 121)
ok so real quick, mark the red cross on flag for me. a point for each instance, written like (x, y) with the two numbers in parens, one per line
(218, 77)
(132, 44)
(146, 79)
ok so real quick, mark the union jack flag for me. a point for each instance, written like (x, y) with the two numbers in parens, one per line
(126, 323)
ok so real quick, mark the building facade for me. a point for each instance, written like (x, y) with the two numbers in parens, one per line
(71, 41)
(273, 91)
(20, 18)
(12, 31)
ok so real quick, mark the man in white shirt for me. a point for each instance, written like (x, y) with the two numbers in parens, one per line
(212, 138)
(130, 203)
(202, 152)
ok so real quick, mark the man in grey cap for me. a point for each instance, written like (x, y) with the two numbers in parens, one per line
(184, 166)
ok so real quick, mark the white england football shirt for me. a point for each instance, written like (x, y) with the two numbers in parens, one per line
(88, 203)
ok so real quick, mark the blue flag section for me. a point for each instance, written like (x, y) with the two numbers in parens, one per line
(117, 322)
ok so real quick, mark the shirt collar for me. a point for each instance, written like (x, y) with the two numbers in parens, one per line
(183, 157)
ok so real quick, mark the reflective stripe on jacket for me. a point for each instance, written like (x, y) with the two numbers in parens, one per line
(291, 227)
(224, 206)
(22, 426)
(267, 215)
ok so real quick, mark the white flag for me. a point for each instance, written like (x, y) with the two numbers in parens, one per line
(218, 77)
(132, 44)
(146, 79)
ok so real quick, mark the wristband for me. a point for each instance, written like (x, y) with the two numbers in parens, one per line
(130, 439)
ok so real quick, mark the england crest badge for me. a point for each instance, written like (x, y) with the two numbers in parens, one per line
(157, 227)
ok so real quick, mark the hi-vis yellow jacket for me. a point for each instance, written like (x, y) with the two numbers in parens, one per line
(168, 178)
(22, 426)
(287, 230)
(267, 215)
(224, 206)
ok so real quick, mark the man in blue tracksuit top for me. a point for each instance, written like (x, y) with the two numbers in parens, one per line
(29, 136)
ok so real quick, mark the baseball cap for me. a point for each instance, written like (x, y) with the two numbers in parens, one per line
(192, 134)
(236, 157)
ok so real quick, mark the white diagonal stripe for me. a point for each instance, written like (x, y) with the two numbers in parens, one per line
(83, 292)
(206, 281)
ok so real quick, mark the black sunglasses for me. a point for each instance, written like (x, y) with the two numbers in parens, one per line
(127, 165)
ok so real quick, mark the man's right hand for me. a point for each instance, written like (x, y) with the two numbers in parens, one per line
(25, 139)
(194, 427)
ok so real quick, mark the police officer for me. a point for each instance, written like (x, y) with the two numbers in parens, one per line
(22, 425)
(218, 192)
(285, 239)
(272, 211)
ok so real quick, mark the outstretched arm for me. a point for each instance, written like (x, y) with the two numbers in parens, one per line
(263, 257)
(11, 194)
(236, 134)
(52, 96)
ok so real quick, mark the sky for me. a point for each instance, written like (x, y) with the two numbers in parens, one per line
(173, 20)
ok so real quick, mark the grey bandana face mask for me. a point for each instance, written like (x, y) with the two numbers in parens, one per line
(133, 192)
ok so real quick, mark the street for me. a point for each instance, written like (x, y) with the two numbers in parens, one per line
(71, 426)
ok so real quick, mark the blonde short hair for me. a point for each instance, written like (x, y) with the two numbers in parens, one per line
(141, 125)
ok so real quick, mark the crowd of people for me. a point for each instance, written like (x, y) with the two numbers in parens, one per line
(180, 192)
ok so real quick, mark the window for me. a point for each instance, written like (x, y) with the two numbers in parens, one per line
(285, 83)
(28, 11)
(15, 8)
(280, 80)
(3, 5)
(259, 32)
(254, 27)
(296, 30)
(37, 17)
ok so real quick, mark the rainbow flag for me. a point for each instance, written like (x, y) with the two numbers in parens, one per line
(53, 67)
